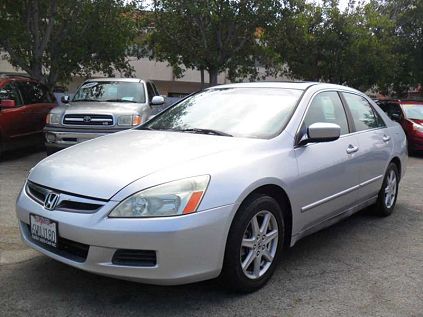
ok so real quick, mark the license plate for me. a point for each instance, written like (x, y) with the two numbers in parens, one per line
(44, 230)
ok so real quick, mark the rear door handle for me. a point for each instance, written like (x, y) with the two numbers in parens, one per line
(386, 138)
(352, 149)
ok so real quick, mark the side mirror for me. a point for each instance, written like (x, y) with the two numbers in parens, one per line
(157, 101)
(321, 132)
(396, 117)
(8, 103)
(65, 99)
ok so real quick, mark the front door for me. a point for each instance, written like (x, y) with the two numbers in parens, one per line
(328, 172)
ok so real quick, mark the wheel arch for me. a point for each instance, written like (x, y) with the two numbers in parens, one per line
(282, 198)
(397, 162)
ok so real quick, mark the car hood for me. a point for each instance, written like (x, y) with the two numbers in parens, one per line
(101, 167)
(97, 107)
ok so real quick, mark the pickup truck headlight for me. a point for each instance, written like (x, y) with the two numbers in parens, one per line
(53, 118)
(129, 120)
(170, 199)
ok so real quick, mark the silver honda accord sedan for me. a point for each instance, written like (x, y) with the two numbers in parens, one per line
(216, 185)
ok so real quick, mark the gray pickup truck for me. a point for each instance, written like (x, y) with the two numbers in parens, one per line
(100, 106)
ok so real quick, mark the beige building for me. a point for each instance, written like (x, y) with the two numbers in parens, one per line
(159, 72)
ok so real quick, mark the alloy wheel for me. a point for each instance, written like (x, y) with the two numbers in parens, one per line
(390, 189)
(259, 244)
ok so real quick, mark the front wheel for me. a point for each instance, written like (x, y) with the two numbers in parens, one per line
(388, 194)
(254, 244)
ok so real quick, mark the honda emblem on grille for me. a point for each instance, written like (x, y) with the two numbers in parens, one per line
(87, 119)
(51, 201)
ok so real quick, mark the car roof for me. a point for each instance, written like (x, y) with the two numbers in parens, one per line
(130, 80)
(301, 85)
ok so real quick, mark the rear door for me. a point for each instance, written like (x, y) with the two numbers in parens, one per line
(374, 141)
(12, 120)
(328, 172)
(38, 102)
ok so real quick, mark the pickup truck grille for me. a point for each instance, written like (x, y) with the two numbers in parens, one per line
(88, 119)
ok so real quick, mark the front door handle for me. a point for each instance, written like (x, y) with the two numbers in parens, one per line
(352, 149)
(386, 138)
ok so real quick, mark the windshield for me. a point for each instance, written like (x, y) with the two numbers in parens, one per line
(413, 111)
(239, 112)
(112, 91)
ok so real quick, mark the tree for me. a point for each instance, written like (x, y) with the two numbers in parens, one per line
(53, 40)
(408, 18)
(211, 35)
(354, 47)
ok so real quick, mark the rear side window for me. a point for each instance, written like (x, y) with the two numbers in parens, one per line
(363, 114)
(327, 107)
(9, 92)
(33, 93)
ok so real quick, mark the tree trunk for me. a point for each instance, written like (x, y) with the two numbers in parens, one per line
(202, 77)
(213, 77)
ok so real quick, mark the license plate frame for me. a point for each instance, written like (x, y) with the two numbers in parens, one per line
(44, 230)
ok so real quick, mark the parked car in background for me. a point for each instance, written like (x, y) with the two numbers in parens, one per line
(217, 184)
(409, 114)
(99, 107)
(24, 105)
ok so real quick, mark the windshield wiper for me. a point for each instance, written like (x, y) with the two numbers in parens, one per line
(205, 131)
(93, 100)
(120, 100)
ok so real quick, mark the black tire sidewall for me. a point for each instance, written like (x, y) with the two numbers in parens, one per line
(382, 209)
(232, 272)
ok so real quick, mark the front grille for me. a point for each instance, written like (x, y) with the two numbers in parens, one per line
(88, 119)
(135, 258)
(69, 249)
(67, 202)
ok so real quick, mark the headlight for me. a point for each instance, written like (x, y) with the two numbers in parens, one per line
(171, 199)
(131, 120)
(53, 118)
(418, 127)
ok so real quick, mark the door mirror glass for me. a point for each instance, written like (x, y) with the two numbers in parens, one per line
(8, 103)
(321, 132)
(65, 99)
(157, 101)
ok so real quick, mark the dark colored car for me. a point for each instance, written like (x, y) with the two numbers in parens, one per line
(24, 105)
(409, 114)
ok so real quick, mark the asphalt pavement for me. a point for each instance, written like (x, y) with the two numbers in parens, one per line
(362, 266)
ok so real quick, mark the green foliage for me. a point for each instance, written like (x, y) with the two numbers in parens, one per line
(53, 40)
(211, 35)
(354, 47)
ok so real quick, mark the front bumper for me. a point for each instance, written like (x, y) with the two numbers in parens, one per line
(57, 138)
(189, 248)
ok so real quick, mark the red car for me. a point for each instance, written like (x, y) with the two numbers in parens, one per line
(410, 115)
(24, 105)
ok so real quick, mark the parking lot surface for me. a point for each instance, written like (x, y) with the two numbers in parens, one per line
(362, 266)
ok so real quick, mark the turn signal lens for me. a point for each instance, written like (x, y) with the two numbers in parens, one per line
(136, 120)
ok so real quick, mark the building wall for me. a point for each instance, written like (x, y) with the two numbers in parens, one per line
(159, 72)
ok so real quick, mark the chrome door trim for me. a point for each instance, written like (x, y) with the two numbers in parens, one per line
(329, 198)
(339, 194)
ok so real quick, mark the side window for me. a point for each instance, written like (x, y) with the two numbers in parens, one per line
(9, 92)
(327, 107)
(43, 94)
(150, 92)
(363, 115)
(27, 92)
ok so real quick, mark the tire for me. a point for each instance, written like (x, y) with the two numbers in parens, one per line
(244, 246)
(387, 197)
